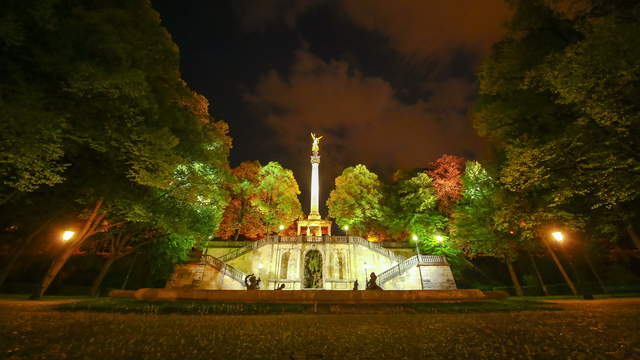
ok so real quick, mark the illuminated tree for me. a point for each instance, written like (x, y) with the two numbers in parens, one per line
(475, 224)
(356, 200)
(241, 216)
(132, 128)
(277, 199)
(409, 207)
(446, 174)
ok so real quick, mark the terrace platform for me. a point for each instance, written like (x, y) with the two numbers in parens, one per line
(331, 297)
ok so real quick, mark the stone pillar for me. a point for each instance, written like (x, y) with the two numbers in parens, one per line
(314, 213)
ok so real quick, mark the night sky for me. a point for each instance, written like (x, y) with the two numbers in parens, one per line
(389, 84)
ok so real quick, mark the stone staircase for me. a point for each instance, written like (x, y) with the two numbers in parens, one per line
(408, 264)
(222, 267)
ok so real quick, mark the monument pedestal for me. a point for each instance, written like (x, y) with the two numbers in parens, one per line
(314, 225)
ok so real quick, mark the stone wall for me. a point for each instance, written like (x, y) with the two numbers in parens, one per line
(306, 297)
(284, 263)
(205, 277)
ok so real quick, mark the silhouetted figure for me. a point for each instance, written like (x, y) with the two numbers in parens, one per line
(371, 283)
(355, 285)
(251, 282)
(280, 287)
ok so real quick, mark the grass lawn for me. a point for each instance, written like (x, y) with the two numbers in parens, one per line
(125, 306)
(109, 305)
(104, 328)
(572, 297)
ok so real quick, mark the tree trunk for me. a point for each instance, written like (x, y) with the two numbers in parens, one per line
(634, 235)
(235, 237)
(126, 278)
(22, 246)
(514, 279)
(103, 272)
(561, 268)
(535, 267)
(88, 229)
(595, 273)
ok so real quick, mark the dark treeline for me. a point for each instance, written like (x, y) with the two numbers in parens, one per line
(101, 137)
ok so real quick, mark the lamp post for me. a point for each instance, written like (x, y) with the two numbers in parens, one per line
(346, 230)
(415, 238)
(559, 237)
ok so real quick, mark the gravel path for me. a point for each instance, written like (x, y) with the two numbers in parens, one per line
(599, 329)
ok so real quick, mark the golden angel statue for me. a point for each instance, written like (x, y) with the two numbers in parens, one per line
(316, 142)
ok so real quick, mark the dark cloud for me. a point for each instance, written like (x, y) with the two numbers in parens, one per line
(419, 28)
(432, 27)
(258, 14)
(361, 117)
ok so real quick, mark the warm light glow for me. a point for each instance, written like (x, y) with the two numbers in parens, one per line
(67, 235)
(415, 237)
(439, 238)
(260, 266)
(345, 228)
(557, 235)
(281, 227)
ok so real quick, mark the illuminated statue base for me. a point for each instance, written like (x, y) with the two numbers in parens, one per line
(314, 226)
(313, 262)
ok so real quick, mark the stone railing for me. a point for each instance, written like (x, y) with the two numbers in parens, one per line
(223, 267)
(377, 248)
(313, 240)
(409, 263)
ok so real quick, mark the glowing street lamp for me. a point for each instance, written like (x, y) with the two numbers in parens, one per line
(67, 235)
(557, 236)
(439, 238)
(346, 229)
(281, 227)
(415, 238)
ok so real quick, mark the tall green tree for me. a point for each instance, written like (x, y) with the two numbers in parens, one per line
(356, 200)
(277, 198)
(477, 227)
(557, 99)
(101, 84)
(410, 207)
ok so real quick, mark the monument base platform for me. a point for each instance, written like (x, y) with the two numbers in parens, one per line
(330, 297)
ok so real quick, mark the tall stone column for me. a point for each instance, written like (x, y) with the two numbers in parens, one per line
(314, 213)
